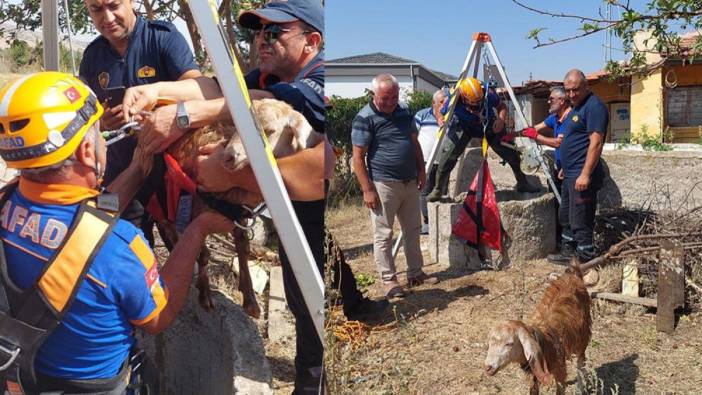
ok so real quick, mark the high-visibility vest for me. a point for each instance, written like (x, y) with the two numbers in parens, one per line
(27, 317)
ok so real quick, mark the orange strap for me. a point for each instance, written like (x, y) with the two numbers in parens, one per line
(65, 272)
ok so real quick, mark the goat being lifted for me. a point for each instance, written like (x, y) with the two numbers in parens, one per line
(558, 329)
(287, 132)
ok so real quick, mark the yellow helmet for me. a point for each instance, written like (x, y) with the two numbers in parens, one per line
(471, 90)
(43, 118)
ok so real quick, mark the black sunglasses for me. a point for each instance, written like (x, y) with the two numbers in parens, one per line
(271, 33)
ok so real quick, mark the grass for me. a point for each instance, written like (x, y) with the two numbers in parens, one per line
(438, 339)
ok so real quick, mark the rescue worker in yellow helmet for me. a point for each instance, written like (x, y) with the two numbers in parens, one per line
(476, 108)
(68, 259)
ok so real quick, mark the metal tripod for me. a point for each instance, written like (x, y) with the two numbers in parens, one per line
(480, 40)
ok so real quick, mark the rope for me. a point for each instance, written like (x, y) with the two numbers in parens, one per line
(486, 102)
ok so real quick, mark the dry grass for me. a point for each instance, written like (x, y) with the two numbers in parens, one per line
(437, 344)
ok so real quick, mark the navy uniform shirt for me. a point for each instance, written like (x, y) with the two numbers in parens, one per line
(391, 153)
(470, 122)
(591, 116)
(156, 52)
(305, 94)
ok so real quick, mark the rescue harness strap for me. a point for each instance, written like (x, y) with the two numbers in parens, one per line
(29, 316)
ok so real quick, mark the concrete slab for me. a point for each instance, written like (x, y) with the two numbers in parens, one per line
(280, 324)
(218, 352)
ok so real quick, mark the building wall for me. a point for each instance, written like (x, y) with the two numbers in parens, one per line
(646, 104)
(690, 75)
(611, 92)
(347, 86)
(426, 86)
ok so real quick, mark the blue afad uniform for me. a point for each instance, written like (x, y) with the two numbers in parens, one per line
(306, 95)
(472, 122)
(577, 212)
(156, 52)
(120, 290)
(557, 126)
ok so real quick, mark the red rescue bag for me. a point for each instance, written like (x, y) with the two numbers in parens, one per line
(479, 219)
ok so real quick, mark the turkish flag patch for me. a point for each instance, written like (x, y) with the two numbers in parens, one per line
(151, 275)
(72, 94)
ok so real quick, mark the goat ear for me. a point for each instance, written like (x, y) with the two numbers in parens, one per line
(535, 356)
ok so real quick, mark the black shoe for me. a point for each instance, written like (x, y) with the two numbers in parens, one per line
(434, 195)
(564, 257)
(525, 187)
(366, 309)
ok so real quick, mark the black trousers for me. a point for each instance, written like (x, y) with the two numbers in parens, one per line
(309, 349)
(559, 187)
(577, 214)
(453, 148)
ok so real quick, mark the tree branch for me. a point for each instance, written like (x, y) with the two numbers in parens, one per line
(562, 15)
(570, 38)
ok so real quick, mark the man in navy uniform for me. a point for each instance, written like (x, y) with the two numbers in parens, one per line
(584, 133)
(131, 51)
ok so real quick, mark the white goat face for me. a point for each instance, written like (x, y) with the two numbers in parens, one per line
(235, 154)
(286, 130)
(504, 347)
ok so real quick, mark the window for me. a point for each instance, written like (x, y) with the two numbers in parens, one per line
(683, 106)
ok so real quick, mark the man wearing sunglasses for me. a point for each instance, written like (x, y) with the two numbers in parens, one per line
(288, 41)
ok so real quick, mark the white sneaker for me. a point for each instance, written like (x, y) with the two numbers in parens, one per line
(425, 229)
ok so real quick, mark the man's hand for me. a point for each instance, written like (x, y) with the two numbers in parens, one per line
(530, 132)
(582, 182)
(421, 179)
(561, 174)
(211, 175)
(507, 138)
(212, 222)
(139, 98)
(559, 141)
(112, 118)
(159, 129)
(371, 199)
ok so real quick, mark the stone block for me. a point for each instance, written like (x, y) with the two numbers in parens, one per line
(530, 222)
(528, 219)
(218, 352)
(445, 248)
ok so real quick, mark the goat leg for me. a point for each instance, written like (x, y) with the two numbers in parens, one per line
(534, 389)
(203, 280)
(245, 286)
(580, 380)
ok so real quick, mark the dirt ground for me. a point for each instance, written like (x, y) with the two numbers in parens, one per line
(434, 340)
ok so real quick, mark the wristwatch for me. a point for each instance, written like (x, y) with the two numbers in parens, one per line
(182, 117)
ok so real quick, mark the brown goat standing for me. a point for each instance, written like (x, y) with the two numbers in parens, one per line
(559, 328)
(287, 132)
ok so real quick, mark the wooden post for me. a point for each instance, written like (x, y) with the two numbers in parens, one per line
(50, 29)
(671, 284)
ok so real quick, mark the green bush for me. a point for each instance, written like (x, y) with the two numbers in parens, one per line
(20, 53)
(338, 127)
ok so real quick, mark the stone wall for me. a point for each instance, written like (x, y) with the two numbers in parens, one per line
(217, 352)
(636, 179)
(657, 180)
